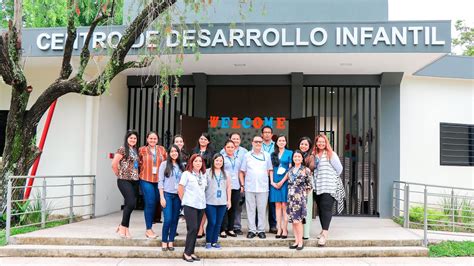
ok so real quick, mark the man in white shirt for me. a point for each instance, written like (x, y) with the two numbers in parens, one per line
(268, 146)
(254, 172)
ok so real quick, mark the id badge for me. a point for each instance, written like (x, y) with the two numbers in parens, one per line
(135, 165)
(154, 170)
(219, 194)
(281, 170)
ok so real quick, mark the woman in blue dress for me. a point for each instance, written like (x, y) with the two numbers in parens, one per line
(281, 160)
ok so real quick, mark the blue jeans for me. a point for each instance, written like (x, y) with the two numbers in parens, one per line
(215, 216)
(171, 217)
(151, 197)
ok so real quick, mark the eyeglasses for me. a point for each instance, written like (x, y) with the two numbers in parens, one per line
(257, 141)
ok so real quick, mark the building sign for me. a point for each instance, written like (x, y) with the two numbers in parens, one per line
(432, 36)
(246, 122)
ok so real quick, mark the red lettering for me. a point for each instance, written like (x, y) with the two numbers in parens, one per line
(235, 122)
(280, 122)
(213, 120)
(257, 122)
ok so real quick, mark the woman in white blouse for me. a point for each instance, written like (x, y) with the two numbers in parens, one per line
(191, 191)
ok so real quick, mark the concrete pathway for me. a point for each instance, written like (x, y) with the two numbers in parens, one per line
(239, 262)
(342, 228)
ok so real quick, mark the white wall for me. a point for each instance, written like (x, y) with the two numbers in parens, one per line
(82, 133)
(112, 125)
(425, 103)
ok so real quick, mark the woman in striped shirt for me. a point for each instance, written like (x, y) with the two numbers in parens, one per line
(327, 171)
(151, 157)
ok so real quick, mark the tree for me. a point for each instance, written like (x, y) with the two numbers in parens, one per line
(34, 15)
(20, 148)
(465, 39)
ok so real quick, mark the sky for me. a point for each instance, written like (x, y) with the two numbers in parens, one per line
(432, 10)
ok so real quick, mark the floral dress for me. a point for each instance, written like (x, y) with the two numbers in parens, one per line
(299, 181)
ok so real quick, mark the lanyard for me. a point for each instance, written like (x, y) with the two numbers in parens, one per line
(293, 175)
(232, 162)
(218, 180)
(199, 178)
(177, 173)
(153, 155)
(263, 160)
(268, 148)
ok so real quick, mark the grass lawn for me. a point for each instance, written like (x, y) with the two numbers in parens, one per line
(16, 231)
(452, 249)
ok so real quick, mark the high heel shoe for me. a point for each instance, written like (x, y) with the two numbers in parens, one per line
(195, 258)
(150, 236)
(122, 235)
(293, 246)
(186, 259)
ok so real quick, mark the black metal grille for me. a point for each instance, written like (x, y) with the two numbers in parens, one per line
(349, 117)
(456, 144)
(145, 114)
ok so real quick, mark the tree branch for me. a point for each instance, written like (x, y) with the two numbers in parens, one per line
(114, 66)
(85, 53)
(66, 68)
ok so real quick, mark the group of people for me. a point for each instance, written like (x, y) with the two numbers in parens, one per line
(208, 187)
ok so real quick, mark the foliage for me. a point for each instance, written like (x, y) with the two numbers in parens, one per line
(52, 13)
(465, 39)
(27, 229)
(452, 249)
(441, 219)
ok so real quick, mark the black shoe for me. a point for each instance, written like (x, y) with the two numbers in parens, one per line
(238, 232)
(223, 235)
(171, 248)
(188, 260)
(293, 246)
(251, 235)
(300, 248)
(273, 230)
(231, 234)
(177, 234)
(201, 236)
(305, 238)
(284, 236)
(262, 235)
(195, 258)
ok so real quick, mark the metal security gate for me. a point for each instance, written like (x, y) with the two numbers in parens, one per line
(145, 114)
(348, 116)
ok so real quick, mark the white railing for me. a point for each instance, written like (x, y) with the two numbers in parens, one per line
(433, 208)
(70, 198)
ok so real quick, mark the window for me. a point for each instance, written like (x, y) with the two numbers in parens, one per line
(456, 144)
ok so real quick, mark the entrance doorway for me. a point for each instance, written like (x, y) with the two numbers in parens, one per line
(347, 115)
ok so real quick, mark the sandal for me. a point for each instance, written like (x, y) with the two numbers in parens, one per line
(223, 234)
(232, 234)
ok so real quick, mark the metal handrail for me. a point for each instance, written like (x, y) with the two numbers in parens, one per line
(70, 181)
(450, 206)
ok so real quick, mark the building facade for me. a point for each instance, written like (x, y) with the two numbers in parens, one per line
(386, 93)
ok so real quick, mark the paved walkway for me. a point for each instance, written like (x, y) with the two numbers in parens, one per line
(342, 228)
(238, 262)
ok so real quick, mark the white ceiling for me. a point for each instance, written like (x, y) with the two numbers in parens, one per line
(254, 64)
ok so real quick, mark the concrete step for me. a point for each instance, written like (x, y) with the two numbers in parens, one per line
(226, 252)
(240, 241)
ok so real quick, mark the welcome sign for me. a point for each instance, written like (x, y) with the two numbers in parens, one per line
(246, 122)
(415, 36)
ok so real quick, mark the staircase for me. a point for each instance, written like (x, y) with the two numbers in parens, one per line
(350, 237)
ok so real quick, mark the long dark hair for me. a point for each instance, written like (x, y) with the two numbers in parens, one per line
(182, 152)
(125, 142)
(169, 161)
(227, 142)
(213, 167)
(276, 150)
(302, 155)
(305, 154)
